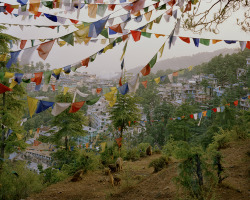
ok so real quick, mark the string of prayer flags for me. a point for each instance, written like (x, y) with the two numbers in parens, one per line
(205, 42)
(32, 104)
(59, 108)
(133, 84)
(76, 106)
(44, 105)
(97, 27)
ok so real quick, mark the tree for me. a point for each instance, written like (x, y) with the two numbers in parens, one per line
(124, 111)
(199, 19)
(11, 106)
(69, 124)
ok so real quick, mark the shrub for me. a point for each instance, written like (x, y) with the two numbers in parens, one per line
(159, 163)
(18, 182)
(177, 149)
(156, 150)
(132, 154)
(52, 176)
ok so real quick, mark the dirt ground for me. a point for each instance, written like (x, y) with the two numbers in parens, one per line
(140, 183)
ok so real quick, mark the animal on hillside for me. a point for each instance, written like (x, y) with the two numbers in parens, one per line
(106, 171)
(118, 164)
(149, 151)
(117, 181)
(77, 176)
(111, 179)
(112, 167)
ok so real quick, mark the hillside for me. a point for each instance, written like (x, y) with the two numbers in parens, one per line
(185, 61)
(140, 183)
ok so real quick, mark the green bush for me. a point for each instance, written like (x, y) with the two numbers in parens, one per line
(132, 154)
(156, 150)
(18, 182)
(52, 176)
(159, 163)
(177, 149)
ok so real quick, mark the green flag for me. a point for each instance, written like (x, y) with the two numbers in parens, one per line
(118, 40)
(2, 75)
(92, 58)
(158, 19)
(181, 72)
(145, 34)
(69, 38)
(153, 61)
(47, 76)
(101, 9)
(26, 80)
(163, 7)
(48, 4)
(92, 101)
(146, 9)
(205, 41)
(209, 112)
(104, 33)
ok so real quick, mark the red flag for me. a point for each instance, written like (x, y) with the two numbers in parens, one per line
(111, 7)
(144, 83)
(236, 103)
(85, 62)
(191, 116)
(38, 78)
(117, 28)
(146, 70)
(136, 35)
(124, 37)
(76, 106)
(214, 109)
(171, 3)
(170, 12)
(175, 73)
(185, 39)
(37, 130)
(98, 90)
(119, 141)
(4, 88)
(120, 81)
(248, 45)
(74, 21)
(188, 7)
(22, 44)
(129, 122)
(53, 87)
(44, 49)
(8, 8)
(156, 5)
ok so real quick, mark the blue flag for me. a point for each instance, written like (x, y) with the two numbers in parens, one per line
(230, 41)
(18, 77)
(196, 41)
(38, 87)
(123, 89)
(22, 2)
(67, 69)
(44, 105)
(163, 78)
(139, 18)
(96, 27)
(56, 76)
(51, 17)
(13, 58)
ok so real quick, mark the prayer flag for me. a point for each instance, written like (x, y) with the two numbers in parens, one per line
(76, 106)
(85, 62)
(47, 76)
(38, 78)
(44, 105)
(32, 105)
(133, 84)
(53, 87)
(230, 41)
(190, 68)
(170, 77)
(185, 39)
(65, 90)
(34, 6)
(175, 74)
(111, 7)
(157, 80)
(122, 64)
(13, 84)
(8, 75)
(191, 116)
(148, 15)
(92, 10)
(92, 101)
(243, 45)
(101, 8)
(205, 41)
(144, 83)
(44, 49)
(119, 141)
(4, 88)
(103, 145)
(22, 44)
(3, 57)
(13, 58)
(153, 61)
(97, 27)
(236, 103)
(69, 38)
(195, 116)
(215, 41)
(59, 108)
(163, 78)
(26, 55)
(18, 77)
(196, 41)
(204, 113)
(117, 28)
(136, 35)
(98, 90)
(53, 18)
(146, 70)
(124, 89)
(248, 45)
(209, 113)
(161, 50)
(215, 110)
(188, 6)
(109, 96)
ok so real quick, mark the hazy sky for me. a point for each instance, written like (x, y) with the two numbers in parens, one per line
(138, 53)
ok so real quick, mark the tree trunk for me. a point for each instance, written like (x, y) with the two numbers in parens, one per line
(66, 143)
(3, 132)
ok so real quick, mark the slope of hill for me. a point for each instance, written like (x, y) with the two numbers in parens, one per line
(140, 183)
(185, 61)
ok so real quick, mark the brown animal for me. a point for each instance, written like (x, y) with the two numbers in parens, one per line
(111, 179)
(117, 181)
(112, 167)
(149, 151)
(118, 164)
(77, 176)
(106, 171)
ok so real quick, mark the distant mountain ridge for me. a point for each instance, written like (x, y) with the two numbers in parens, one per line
(185, 61)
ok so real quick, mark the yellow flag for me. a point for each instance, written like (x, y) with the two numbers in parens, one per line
(61, 43)
(215, 41)
(157, 80)
(112, 103)
(8, 75)
(3, 57)
(81, 33)
(57, 71)
(109, 96)
(113, 89)
(31, 131)
(204, 113)
(103, 145)
(19, 136)
(65, 90)
(162, 49)
(190, 68)
(110, 46)
(32, 104)
(103, 41)
(13, 84)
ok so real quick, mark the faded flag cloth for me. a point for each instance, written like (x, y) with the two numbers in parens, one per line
(13, 83)
(123, 89)
(157, 80)
(146, 70)
(59, 108)
(26, 55)
(103, 145)
(112, 103)
(13, 58)
(96, 28)
(32, 105)
(133, 84)
(218, 109)
(76, 106)
(170, 77)
(44, 49)
(98, 90)
(44, 105)
(242, 45)
(92, 10)
(47, 76)
(144, 83)
(196, 116)
(38, 78)
(109, 96)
